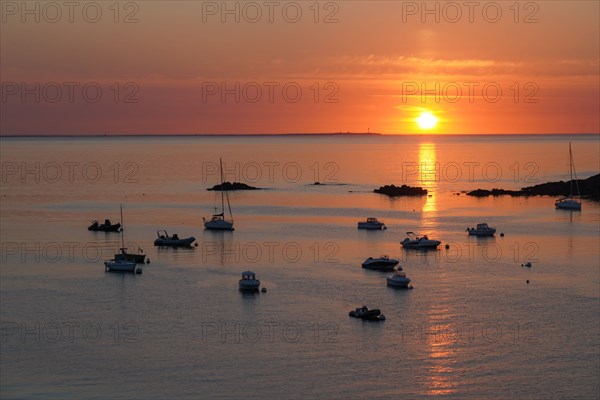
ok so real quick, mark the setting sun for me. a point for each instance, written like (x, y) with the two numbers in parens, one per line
(427, 120)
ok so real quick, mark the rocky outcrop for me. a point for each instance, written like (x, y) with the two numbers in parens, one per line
(404, 190)
(589, 188)
(228, 186)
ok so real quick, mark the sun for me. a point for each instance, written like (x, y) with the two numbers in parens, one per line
(427, 120)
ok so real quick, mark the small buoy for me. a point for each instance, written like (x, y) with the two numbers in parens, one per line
(196, 244)
(264, 290)
(148, 261)
(522, 265)
(502, 234)
(447, 246)
(527, 281)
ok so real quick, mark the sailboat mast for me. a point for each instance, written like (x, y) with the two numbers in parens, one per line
(573, 172)
(122, 230)
(222, 188)
(224, 194)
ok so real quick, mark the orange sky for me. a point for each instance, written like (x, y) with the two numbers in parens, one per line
(342, 66)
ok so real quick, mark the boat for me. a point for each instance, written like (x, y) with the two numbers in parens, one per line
(105, 227)
(249, 281)
(570, 202)
(138, 258)
(370, 315)
(482, 230)
(218, 221)
(383, 263)
(399, 280)
(121, 264)
(415, 242)
(164, 239)
(372, 224)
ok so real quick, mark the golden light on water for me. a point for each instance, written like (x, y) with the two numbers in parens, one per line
(428, 176)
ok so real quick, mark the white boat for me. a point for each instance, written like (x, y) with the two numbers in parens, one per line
(121, 264)
(482, 230)
(399, 280)
(570, 202)
(164, 239)
(415, 242)
(371, 223)
(249, 281)
(383, 263)
(218, 221)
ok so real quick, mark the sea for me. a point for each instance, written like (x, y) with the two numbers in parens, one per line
(478, 323)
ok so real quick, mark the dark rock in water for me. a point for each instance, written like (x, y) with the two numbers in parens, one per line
(233, 186)
(589, 188)
(494, 192)
(404, 190)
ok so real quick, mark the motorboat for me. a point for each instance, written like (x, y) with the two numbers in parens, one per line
(415, 242)
(370, 315)
(122, 266)
(570, 202)
(399, 280)
(371, 223)
(249, 281)
(164, 239)
(105, 227)
(482, 230)
(218, 221)
(383, 263)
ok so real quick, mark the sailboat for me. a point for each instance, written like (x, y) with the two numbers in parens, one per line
(121, 263)
(138, 258)
(570, 202)
(218, 221)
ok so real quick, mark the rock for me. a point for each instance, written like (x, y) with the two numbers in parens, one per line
(404, 190)
(228, 186)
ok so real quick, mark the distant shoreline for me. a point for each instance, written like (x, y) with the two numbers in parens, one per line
(325, 134)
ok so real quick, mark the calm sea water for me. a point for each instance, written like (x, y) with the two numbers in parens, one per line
(472, 328)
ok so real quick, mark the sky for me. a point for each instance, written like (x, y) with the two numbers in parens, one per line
(392, 67)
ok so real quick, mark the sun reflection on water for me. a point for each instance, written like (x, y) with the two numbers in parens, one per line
(428, 179)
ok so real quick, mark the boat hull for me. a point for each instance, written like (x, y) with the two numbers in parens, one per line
(104, 228)
(402, 284)
(429, 245)
(219, 225)
(369, 315)
(371, 226)
(568, 204)
(474, 232)
(174, 242)
(380, 266)
(120, 266)
(249, 286)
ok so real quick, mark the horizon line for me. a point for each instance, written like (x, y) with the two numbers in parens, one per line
(98, 135)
